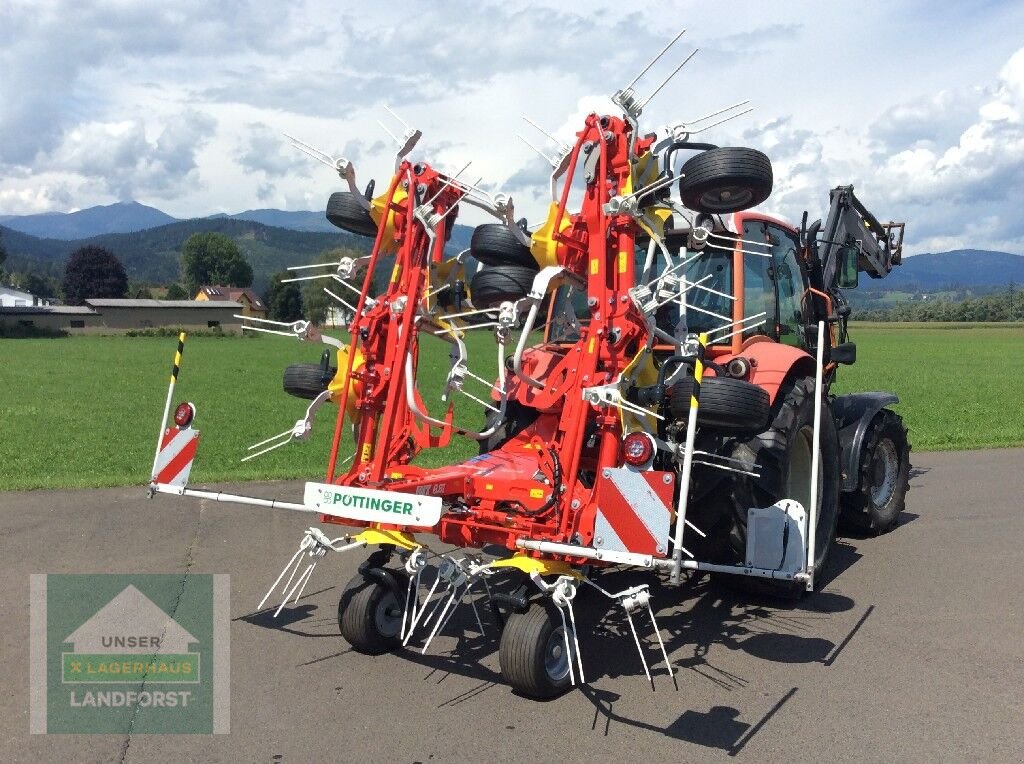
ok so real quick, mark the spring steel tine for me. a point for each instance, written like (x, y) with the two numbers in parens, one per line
(339, 299)
(716, 113)
(392, 113)
(661, 643)
(441, 621)
(284, 570)
(664, 82)
(722, 121)
(303, 577)
(305, 581)
(420, 612)
(409, 601)
(654, 60)
(476, 612)
(568, 648)
(638, 648)
(576, 642)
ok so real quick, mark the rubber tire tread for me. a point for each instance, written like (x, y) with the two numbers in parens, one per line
(727, 405)
(726, 166)
(521, 651)
(494, 285)
(305, 380)
(357, 616)
(346, 210)
(857, 512)
(494, 244)
(768, 453)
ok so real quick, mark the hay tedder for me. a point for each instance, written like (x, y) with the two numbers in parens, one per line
(660, 398)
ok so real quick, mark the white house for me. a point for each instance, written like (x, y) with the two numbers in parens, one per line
(14, 298)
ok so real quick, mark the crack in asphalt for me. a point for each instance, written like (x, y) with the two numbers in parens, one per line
(188, 563)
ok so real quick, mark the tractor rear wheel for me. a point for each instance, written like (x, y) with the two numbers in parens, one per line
(370, 615)
(884, 478)
(496, 244)
(348, 212)
(723, 180)
(532, 652)
(782, 456)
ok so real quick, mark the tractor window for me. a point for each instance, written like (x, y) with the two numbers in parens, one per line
(758, 283)
(709, 309)
(789, 285)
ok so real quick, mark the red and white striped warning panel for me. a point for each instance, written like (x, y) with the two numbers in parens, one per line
(634, 511)
(177, 450)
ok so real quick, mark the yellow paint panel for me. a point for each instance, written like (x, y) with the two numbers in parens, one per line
(531, 565)
(377, 537)
(366, 453)
(536, 493)
(489, 487)
(595, 266)
(623, 261)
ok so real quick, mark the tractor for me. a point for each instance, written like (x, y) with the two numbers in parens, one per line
(661, 395)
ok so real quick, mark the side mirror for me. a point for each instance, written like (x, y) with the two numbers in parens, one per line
(845, 354)
(848, 275)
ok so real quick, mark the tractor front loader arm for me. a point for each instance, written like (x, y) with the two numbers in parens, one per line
(850, 223)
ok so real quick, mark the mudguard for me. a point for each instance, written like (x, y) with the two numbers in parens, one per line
(853, 414)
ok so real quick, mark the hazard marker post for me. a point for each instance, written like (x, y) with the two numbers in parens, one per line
(167, 406)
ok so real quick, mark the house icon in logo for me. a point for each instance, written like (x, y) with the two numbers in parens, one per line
(131, 624)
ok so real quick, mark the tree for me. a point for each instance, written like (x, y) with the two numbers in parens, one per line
(3, 252)
(284, 300)
(175, 292)
(38, 284)
(213, 258)
(93, 272)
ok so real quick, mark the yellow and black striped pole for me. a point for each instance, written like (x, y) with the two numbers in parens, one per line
(167, 405)
(691, 431)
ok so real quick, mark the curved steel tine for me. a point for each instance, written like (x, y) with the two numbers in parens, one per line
(661, 644)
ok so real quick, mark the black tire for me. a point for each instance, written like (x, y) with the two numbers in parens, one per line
(307, 380)
(532, 653)
(496, 244)
(782, 456)
(725, 180)
(348, 212)
(729, 406)
(884, 479)
(370, 615)
(517, 418)
(499, 283)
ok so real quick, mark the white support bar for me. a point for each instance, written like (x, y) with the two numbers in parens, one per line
(230, 498)
(605, 555)
(812, 511)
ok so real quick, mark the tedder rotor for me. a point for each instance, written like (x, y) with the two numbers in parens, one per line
(660, 399)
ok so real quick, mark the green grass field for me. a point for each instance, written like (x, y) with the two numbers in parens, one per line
(84, 411)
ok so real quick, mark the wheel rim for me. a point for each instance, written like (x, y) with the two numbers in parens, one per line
(798, 486)
(387, 617)
(556, 659)
(886, 470)
(727, 198)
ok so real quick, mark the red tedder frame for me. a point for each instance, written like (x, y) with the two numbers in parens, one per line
(543, 484)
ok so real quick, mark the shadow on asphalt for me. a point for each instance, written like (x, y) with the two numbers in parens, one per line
(693, 618)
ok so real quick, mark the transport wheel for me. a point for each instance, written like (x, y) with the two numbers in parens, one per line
(499, 283)
(348, 212)
(726, 179)
(307, 380)
(496, 244)
(875, 505)
(727, 405)
(532, 652)
(782, 455)
(370, 614)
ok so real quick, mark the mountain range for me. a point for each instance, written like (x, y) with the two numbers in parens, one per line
(148, 243)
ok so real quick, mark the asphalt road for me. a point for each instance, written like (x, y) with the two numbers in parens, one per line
(914, 650)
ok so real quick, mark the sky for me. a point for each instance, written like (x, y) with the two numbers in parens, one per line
(182, 105)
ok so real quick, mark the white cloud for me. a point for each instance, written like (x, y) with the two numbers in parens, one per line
(185, 102)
